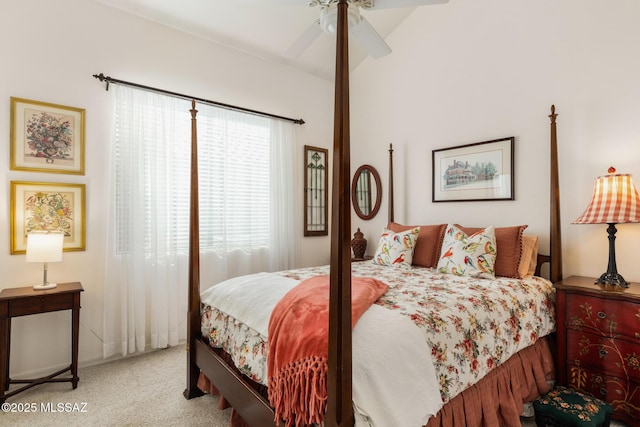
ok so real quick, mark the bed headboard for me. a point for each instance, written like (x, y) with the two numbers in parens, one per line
(554, 259)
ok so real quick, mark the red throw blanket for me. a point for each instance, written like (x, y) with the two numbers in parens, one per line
(298, 346)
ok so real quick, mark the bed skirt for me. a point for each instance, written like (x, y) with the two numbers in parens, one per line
(498, 399)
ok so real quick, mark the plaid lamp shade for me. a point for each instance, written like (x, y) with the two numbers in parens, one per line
(615, 200)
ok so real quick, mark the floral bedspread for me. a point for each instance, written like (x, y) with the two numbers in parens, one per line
(471, 325)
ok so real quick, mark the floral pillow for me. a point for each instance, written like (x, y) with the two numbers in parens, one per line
(396, 249)
(464, 255)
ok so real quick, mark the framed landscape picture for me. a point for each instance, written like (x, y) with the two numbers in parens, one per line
(474, 172)
(47, 206)
(46, 137)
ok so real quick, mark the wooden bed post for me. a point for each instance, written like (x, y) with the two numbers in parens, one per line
(555, 244)
(193, 317)
(339, 400)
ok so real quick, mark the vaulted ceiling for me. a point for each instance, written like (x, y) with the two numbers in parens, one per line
(263, 28)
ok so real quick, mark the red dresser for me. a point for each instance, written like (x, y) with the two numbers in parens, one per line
(599, 343)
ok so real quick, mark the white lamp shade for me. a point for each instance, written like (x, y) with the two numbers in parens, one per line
(44, 247)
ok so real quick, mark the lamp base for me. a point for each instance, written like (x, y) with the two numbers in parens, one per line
(612, 282)
(44, 286)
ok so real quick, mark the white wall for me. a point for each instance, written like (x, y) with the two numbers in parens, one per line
(50, 50)
(471, 71)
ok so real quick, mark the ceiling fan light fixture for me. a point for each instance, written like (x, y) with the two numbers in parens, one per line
(359, 27)
(329, 18)
(323, 3)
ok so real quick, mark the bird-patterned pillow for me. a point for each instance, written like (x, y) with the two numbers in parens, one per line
(464, 255)
(396, 249)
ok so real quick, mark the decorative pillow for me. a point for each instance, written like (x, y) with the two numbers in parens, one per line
(465, 255)
(427, 250)
(529, 257)
(509, 247)
(396, 249)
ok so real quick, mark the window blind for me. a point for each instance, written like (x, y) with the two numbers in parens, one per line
(152, 154)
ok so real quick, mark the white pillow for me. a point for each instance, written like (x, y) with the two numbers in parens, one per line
(464, 255)
(396, 249)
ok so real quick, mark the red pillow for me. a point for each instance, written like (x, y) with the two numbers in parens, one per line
(427, 250)
(509, 246)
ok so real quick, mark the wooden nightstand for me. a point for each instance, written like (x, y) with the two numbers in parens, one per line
(599, 343)
(366, 258)
(16, 302)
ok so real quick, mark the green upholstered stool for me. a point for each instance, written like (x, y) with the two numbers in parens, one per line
(567, 407)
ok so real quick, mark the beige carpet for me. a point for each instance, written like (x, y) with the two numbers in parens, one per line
(143, 390)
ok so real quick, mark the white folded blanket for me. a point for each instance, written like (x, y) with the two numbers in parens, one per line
(394, 381)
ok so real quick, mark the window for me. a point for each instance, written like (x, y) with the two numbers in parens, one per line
(152, 154)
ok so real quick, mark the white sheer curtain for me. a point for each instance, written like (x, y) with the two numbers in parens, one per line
(246, 174)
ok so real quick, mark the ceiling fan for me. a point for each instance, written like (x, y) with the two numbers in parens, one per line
(359, 27)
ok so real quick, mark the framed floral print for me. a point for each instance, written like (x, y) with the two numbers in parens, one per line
(46, 137)
(47, 206)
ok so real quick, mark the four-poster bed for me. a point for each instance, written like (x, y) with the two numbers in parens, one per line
(249, 401)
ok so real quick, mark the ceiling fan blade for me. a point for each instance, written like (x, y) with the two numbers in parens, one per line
(388, 4)
(370, 39)
(304, 41)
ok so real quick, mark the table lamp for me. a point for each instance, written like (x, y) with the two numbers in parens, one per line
(615, 200)
(44, 247)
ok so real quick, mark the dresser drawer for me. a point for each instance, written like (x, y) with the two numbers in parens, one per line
(600, 314)
(607, 354)
(40, 304)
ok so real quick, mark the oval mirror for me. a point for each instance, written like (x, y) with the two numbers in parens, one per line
(366, 192)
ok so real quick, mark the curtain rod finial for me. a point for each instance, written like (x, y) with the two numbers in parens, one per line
(103, 78)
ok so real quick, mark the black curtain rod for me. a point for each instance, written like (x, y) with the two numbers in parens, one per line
(108, 80)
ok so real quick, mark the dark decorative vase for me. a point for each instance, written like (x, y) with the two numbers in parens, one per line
(358, 245)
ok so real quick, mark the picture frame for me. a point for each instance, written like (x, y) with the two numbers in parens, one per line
(482, 171)
(316, 191)
(48, 206)
(46, 137)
